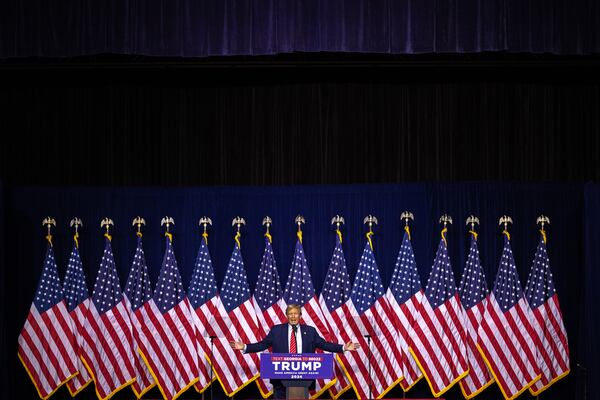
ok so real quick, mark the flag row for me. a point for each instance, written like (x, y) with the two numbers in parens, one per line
(176, 339)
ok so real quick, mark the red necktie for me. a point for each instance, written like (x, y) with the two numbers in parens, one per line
(293, 342)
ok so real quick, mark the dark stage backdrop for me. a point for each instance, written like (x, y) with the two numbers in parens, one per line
(289, 124)
(190, 28)
(589, 347)
(573, 251)
(4, 346)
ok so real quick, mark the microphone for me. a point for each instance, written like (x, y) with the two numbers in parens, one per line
(295, 328)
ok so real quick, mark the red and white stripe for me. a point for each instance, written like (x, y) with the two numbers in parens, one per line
(144, 380)
(479, 376)
(107, 349)
(553, 347)
(83, 378)
(405, 317)
(342, 383)
(438, 343)
(201, 329)
(234, 369)
(273, 315)
(506, 342)
(385, 370)
(168, 345)
(46, 348)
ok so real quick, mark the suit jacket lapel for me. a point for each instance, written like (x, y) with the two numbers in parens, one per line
(304, 340)
(284, 333)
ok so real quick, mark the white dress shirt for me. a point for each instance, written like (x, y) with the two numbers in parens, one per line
(289, 335)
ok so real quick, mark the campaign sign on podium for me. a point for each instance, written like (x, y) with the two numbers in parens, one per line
(288, 366)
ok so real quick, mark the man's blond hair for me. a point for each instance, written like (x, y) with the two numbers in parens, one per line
(293, 307)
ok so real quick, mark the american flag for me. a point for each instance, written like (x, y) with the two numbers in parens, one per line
(268, 303)
(299, 290)
(137, 293)
(335, 293)
(204, 301)
(77, 297)
(374, 368)
(438, 340)
(107, 340)
(473, 292)
(167, 340)
(404, 296)
(46, 341)
(553, 347)
(235, 321)
(506, 336)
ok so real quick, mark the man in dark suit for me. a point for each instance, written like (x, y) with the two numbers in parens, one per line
(292, 338)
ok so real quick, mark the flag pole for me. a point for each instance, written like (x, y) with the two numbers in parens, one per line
(204, 222)
(370, 220)
(168, 221)
(237, 222)
(505, 220)
(107, 222)
(406, 216)
(472, 220)
(48, 222)
(268, 222)
(542, 219)
(76, 222)
(299, 221)
(445, 219)
(338, 221)
(138, 221)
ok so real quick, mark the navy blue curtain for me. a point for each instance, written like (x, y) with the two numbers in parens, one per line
(4, 345)
(191, 28)
(27, 206)
(589, 366)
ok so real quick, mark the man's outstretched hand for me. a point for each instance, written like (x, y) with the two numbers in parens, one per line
(351, 346)
(236, 345)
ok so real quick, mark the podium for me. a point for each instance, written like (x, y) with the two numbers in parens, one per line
(296, 371)
(296, 389)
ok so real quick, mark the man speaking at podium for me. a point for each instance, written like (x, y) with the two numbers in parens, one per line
(292, 338)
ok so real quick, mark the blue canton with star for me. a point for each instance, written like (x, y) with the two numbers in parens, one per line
(507, 287)
(336, 288)
(138, 289)
(76, 291)
(473, 288)
(405, 279)
(203, 286)
(107, 289)
(299, 288)
(268, 288)
(169, 289)
(441, 286)
(367, 283)
(540, 285)
(235, 289)
(49, 291)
